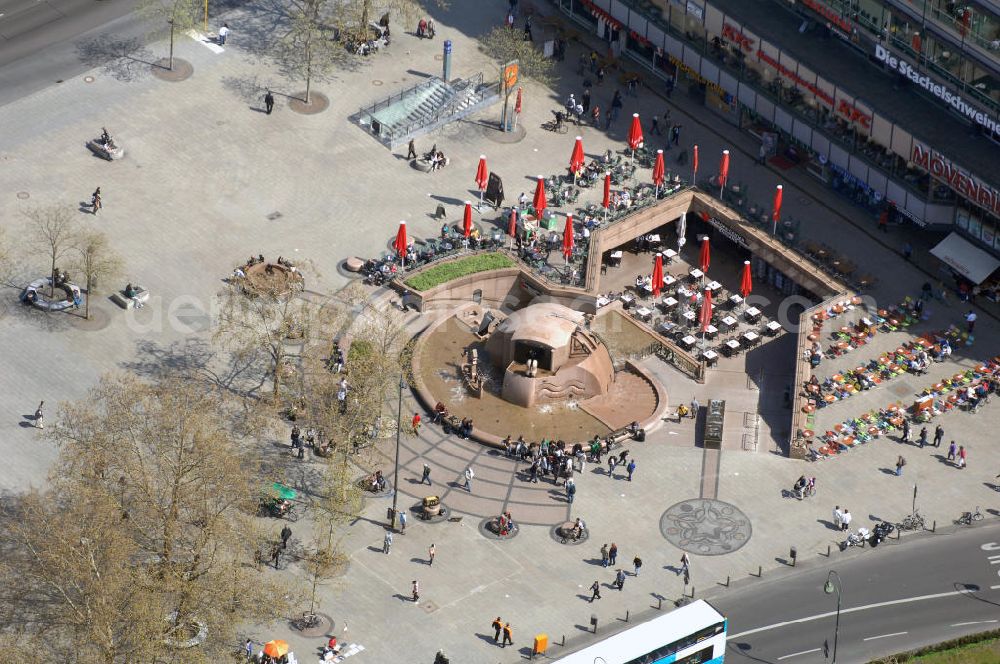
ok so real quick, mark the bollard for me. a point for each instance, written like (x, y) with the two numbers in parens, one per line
(727, 580)
(563, 642)
(934, 526)
(827, 550)
(659, 603)
(793, 554)
(692, 592)
(626, 615)
(760, 571)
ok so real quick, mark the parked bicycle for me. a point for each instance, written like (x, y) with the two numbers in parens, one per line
(968, 517)
(306, 621)
(911, 522)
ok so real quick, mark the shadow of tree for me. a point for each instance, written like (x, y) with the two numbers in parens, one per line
(240, 375)
(124, 59)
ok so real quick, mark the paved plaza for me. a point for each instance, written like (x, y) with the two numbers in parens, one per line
(209, 179)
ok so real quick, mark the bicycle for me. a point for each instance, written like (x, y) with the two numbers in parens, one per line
(968, 517)
(306, 621)
(911, 522)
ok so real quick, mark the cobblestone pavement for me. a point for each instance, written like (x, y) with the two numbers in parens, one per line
(208, 180)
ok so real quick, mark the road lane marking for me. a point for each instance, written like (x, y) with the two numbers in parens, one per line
(877, 605)
(994, 587)
(884, 636)
(974, 622)
(796, 654)
(207, 42)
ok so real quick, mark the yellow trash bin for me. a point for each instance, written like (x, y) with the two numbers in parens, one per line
(541, 643)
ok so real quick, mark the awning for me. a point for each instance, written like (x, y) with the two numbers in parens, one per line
(965, 258)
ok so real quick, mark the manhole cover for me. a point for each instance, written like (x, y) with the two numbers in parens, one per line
(705, 526)
(376, 82)
(901, 389)
(429, 607)
(23, 195)
(88, 79)
(439, 57)
(274, 216)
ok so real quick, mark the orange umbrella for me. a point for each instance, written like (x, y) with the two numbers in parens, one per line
(512, 226)
(467, 220)
(276, 648)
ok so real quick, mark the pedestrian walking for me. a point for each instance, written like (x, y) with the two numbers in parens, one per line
(630, 468)
(604, 555)
(415, 589)
(39, 419)
(671, 82)
(415, 423)
(636, 563)
(508, 636)
(654, 127)
(938, 435)
(613, 554)
(275, 555)
(497, 628)
(846, 520)
(907, 251)
(762, 155)
(469, 474)
(970, 320)
(268, 102)
(961, 456)
(620, 579)
(595, 589)
(695, 407)
(286, 534)
(431, 552)
(687, 576)
(95, 201)
(426, 477)
(900, 462)
(952, 450)
(411, 149)
(675, 134)
(685, 565)
(883, 221)
(906, 431)
(402, 522)
(923, 437)
(223, 34)
(838, 518)
(248, 649)
(387, 542)
(585, 100)
(570, 490)
(612, 462)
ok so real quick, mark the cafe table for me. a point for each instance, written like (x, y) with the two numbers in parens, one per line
(753, 314)
(736, 300)
(669, 254)
(688, 342)
(602, 302)
(714, 286)
(669, 303)
(615, 258)
(710, 356)
(731, 347)
(773, 328)
(711, 331)
(727, 323)
(669, 280)
(750, 338)
(644, 313)
(690, 317)
(695, 273)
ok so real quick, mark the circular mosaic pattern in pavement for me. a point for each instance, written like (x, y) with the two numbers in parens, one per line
(560, 533)
(182, 70)
(487, 528)
(705, 526)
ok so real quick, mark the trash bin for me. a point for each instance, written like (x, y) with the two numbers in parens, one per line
(541, 644)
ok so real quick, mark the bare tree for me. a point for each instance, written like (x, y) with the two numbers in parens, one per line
(52, 232)
(180, 15)
(354, 16)
(506, 45)
(97, 261)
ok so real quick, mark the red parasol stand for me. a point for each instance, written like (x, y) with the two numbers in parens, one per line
(705, 258)
(482, 178)
(512, 226)
(400, 244)
(746, 283)
(705, 319)
(635, 134)
(467, 220)
(694, 172)
(577, 159)
(657, 275)
(658, 172)
(517, 106)
(723, 172)
(777, 209)
(606, 202)
(539, 202)
(568, 238)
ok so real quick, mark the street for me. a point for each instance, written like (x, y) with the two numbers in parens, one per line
(895, 598)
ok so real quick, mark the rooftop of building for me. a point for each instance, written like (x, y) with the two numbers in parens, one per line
(844, 66)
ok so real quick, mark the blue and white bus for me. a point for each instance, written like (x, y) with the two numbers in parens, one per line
(692, 634)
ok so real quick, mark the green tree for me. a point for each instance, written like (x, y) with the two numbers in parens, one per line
(96, 261)
(180, 15)
(506, 45)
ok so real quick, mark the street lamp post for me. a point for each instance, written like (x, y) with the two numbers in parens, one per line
(395, 473)
(828, 588)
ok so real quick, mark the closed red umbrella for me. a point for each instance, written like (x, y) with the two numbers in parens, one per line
(568, 238)
(694, 172)
(577, 159)
(706, 311)
(657, 275)
(705, 258)
(777, 208)
(482, 178)
(635, 133)
(658, 171)
(539, 202)
(606, 201)
(517, 104)
(723, 171)
(512, 225)
(467, 220)
(400, 244)
(746, 283)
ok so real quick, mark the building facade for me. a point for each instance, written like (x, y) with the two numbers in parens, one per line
(882, 100)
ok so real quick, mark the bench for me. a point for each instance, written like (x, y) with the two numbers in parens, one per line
(124, 302)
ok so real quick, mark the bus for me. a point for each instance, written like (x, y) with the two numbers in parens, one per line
(692, 634)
